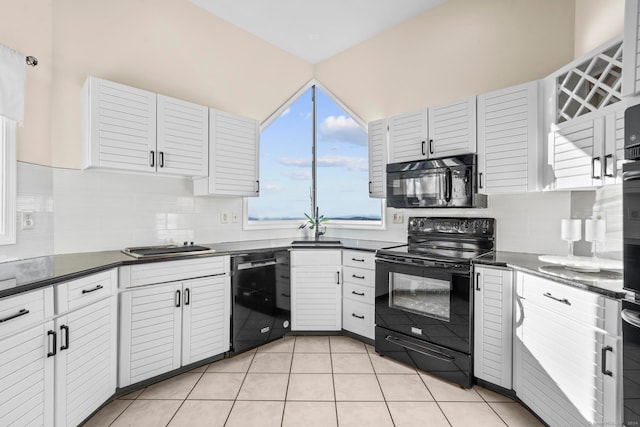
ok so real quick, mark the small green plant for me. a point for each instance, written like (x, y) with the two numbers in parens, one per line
(314, 222)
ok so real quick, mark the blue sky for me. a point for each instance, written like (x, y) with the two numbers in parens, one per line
(285, 164)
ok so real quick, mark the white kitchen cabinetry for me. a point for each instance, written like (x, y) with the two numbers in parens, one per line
(452, 128)
(567, 353)
(377, 133)
(358, 294)
(631, 45)
(164, 326)
(27, 350)
(493, 327)
(316, 291)
(132, 129)
(408, 137)
(509, 148)
(234, 149)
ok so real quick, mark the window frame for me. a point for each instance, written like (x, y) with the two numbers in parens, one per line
(285, 224)
(7, 181)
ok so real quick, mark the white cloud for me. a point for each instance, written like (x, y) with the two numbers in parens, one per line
(350, 163)
(285, 112)
(342, 128)
(298, 175)
(293, 161)
(271, 187)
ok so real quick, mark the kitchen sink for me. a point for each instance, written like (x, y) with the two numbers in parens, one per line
(316, 243)
(166, 251)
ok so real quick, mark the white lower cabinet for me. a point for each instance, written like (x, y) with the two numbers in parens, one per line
(492, 325)
(567, 350)
(358, 314)
(169, 325)
(316, 290)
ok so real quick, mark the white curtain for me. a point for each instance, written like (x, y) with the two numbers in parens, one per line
(12, 79)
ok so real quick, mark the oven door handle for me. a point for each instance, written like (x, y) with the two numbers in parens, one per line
(420, 349)
(449, 185)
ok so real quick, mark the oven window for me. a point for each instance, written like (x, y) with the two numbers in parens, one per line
(422, 295)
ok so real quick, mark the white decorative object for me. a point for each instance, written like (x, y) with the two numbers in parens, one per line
(583, 263)
(595, 232)
(571, 231)
(12, 77)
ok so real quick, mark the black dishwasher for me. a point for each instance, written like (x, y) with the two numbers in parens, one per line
(261, 309)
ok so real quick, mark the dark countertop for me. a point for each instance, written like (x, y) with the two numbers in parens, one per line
(32, 273)
(606, 283)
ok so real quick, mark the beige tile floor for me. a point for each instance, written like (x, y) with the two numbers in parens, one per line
(311, 381)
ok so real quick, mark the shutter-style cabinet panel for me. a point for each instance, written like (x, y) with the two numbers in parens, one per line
(452, 128)
(408, 137)
(119, 126)
(631, 46)
(234, 144)
(183, 137)
(378, 158)
(509, 149)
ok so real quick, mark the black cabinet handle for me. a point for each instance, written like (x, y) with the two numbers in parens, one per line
(152, 158)
(161, 158)
(562, 300)
(54, 344)
(282, 276)
(480, 180)
(431, 146)
(369, 187)
(187, 296)
(357, 277)
(478, 281)
(355, 315)
(604, 370)
(258, 190)
(606, 173)
(357, 259)
(178, 298)
(358, 293)
(593, 168)
(64, 346)
(285, 295)
(97, 288)
(422, 148)
(337, 277)
(22, 312)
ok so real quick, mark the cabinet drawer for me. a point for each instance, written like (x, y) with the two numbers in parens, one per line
(359, 259)
(582, 306)
(358, 276)
(74, 294)
(363, 294)
(25, 309)
(357, 317)
(315, 257)
(170, 271)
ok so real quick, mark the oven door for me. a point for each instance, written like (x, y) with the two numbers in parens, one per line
(430, 303)
(631, 224)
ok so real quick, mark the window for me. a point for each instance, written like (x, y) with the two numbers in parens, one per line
(7, 181)
(326, 164)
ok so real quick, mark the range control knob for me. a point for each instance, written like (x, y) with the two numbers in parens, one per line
(421, 223)
(412, 223)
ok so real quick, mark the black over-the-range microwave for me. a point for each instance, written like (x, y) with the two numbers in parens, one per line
(448, 182)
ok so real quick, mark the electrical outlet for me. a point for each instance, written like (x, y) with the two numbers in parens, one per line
(398, 217)
(224, 217)
(234, 217)
(28, 220)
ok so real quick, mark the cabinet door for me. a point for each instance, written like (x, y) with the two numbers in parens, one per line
(577, 152)
(452, 128)
(378, 159)
(119, 126)
(493, 330)
(27, 376)
(631, 46)
(508, 128)
(205, 318)
(408, 137)
(316, 298)
(614, 144)
(233, 156)
(150, 332)
(86, 362)
(183, 137)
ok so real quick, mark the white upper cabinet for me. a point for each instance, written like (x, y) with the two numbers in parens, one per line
(119, 126)
(509, 145)
(408, 137)
(183, 137)
(452, 128)
(233, 157)
(131, 129)
(378, 158)
(631, 45)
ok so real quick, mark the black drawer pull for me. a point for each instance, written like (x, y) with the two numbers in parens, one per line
(161, 158)
(358, 293)
(64, 346)
(357, 277)
(54, 346)
(97, 288)
(177, 298)
(562, 300)
(605, 371)
(357, 259)
(356, 316)
(187, 296)
(152, 159)
(22, 312)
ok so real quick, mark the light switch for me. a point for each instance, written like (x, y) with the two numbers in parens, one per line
(28, 220)
(224, 217)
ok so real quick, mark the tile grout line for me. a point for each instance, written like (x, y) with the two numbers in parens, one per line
(381, 391)
(188, 394)
(286, 392)
(118, 416)
(333, 382)
(435, 400)
(226, 420)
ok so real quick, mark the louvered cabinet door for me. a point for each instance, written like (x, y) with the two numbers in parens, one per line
(492, 312)
(27, 377)
(150, 332)
(234, 154)
(86, 363)
(452, 128)
(183, 137)
(119, 126)
(631, 46)
(378, 158)
(508, 145)
(205, 318)
(614, 144)
(408, 137)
